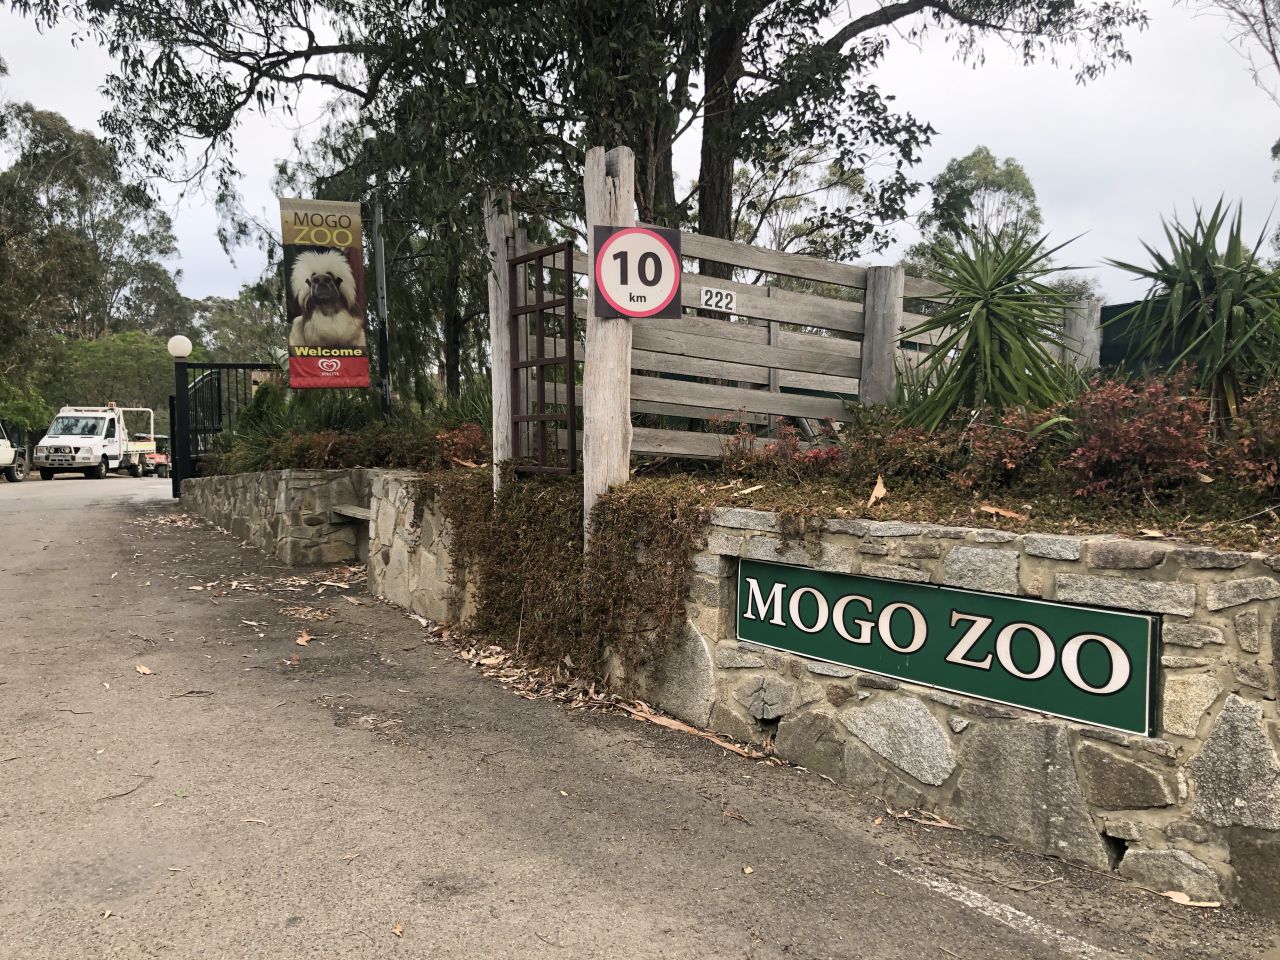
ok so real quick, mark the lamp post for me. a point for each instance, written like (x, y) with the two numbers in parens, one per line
(179, 348)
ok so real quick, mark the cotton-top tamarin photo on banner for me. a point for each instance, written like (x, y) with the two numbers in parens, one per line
(324, 293)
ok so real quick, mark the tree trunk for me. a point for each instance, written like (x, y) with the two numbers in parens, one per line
(719, 136)
(452, 317)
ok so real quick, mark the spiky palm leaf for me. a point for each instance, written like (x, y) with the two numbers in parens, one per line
(1000, 329)
(1216, 309)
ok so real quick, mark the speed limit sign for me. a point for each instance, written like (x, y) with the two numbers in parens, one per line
(637, 272)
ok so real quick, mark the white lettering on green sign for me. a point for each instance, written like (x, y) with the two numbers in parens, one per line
(1082, 663)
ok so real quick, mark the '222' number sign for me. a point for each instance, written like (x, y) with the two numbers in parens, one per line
(713, 298)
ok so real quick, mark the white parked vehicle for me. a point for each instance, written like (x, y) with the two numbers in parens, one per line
(13, 460)
(93, 441)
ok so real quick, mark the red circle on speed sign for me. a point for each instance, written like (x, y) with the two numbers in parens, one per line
(637, 272)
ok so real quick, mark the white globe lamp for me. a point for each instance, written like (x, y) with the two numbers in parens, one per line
(179, 347)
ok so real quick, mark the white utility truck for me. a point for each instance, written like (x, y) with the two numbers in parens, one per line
(13, 459)
(94, 441)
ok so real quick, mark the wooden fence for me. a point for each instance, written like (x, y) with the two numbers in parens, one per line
(805, 339)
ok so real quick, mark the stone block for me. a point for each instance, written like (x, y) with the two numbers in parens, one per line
(1254, 675)
(994, 536)
(722, 542)
(1188, 830)
(892, 528)
(1255, 856)
(995, 571)
(839, 694)
(730, 656)
(958, 724)
(874, 550)
(1237, 773)
(1206, 558)
(874, 681)
(1232, 593)
(1116, 782)
(767, 697)
(684, 682)
(1248, 631)
(712, 564)
(774, 550)
(1172, 870)
(1190, 634)
(1126, 593)
(823, 669)
(1183, 663)
(1018, 781)
(921, 551)
(1186, 699)
(854, 528)
(1125, 554)
(728, 722)
(1122, 829)
(903, 731)
(816, 741)
(1051, 547)
(740, 518)
(893, 571)
(946, 533)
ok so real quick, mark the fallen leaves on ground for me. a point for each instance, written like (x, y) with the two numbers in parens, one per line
(1002, 512)
(1177, 896)
(576, 693)
(145, 671)
(748, 870)
(878, 493)
(398, 930)
(304, 638)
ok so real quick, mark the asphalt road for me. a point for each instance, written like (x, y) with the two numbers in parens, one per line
(378, 798)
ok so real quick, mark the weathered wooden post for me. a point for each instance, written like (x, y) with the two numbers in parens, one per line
(498, 231)
(606, 382)
(1082, 334)
(882, 318)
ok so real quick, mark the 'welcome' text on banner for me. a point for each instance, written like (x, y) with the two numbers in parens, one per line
(1095, 666)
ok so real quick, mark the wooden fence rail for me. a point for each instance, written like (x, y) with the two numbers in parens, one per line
(804, 339)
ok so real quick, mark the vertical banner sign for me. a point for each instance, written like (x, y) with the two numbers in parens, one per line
(324, 293)
(637, 272)
(1094, 666)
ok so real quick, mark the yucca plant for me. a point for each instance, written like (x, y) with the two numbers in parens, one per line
(1212, 304)
(1000, 327)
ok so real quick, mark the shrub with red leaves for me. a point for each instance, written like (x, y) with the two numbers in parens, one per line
(1144, 436)
(1014, 448)
(1254, 456)
(467, 443)
(785, 455)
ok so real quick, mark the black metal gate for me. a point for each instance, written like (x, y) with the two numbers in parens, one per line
(208, 400)
(544, 368)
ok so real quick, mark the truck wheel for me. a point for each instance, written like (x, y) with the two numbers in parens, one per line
(16, 473)
(46, 474)
(99, 472)
(135, 471)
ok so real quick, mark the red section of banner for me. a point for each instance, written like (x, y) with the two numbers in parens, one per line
(330, 372)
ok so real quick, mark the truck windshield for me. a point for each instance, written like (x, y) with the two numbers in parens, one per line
(76, 426)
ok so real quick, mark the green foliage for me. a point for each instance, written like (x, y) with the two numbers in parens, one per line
(520, 554)
(980, 192)
(1213, 303)
(997, 330)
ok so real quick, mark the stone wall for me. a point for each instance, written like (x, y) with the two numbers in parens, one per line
(1194, 808)
(409, 559)
(287, 513)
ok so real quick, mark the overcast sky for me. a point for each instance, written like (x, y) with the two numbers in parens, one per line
(1183, 123)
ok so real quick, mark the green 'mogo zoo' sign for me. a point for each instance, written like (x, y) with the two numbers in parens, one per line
(1095, 666)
